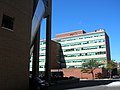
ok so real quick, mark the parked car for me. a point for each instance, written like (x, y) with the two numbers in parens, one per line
(115, 77)
(41, 84)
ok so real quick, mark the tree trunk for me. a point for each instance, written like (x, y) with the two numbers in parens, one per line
(110, 72)
(92, 74)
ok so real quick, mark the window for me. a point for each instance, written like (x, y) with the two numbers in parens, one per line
(41, 66)
(42, 60)
(7, 22)
(42, 54)
(67, 50)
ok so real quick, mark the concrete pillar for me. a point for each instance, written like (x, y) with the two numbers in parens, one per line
(48, 39)
(35, 66)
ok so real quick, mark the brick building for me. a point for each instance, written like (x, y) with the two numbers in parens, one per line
(99, 73)
(79, 47)
(15, 31)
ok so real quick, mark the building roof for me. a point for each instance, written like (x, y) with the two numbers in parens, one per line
(77, 33)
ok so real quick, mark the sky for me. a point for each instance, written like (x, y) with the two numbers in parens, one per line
(88, 15)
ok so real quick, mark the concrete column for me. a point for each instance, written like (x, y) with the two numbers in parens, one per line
(35, 66)
(48, 40)
(35, 2)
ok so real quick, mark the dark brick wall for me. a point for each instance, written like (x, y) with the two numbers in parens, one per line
(107, 47)
(57, 57)
(14, 45)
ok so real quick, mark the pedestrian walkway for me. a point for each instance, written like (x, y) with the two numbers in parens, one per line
(114, 84)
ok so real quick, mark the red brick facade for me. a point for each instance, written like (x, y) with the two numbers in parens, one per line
(70, 34)
(98, 73)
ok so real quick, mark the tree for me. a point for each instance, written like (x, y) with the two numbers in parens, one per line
(118, 71)
(90, 66)
(110, 66)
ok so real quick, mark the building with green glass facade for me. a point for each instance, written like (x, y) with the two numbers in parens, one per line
(79, 47)
(57, 57)
(72, 49)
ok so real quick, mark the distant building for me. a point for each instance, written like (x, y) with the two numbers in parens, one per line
(79, 47)
(57, 58)
(118, 65)
(99, 73)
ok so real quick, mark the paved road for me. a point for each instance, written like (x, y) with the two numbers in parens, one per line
(101, 87)
(111, 86)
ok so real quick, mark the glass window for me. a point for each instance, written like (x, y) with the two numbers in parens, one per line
(42, 54)
(7, 22)
(42, 66)
(85, 54)
(41, 60)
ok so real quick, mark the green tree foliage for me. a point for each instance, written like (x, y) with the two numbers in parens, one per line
(90, 66)
(119, 71)
(111, 65)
